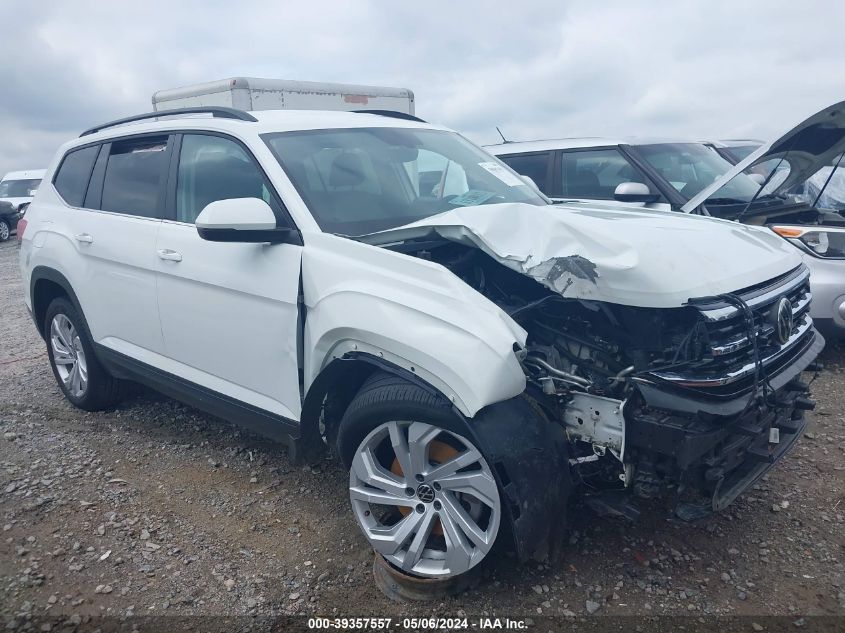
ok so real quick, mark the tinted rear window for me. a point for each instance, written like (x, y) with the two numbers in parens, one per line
(133, 177)
(535, 166)
(72, 178)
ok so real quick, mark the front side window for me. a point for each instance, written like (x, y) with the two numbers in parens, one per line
(690, 167)
(134, 175)
(595, 174)
(535, 166)
(74, 173)
(363, 180)
(214, 168)
(19, 188)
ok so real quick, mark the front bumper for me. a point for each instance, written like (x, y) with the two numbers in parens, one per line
(707, 460)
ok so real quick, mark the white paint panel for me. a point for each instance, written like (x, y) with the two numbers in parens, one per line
(229, 311)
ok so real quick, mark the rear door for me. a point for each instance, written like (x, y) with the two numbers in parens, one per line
(229, 311)
(114, 231)
(536, 165)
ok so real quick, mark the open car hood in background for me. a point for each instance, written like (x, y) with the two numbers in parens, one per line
(806, 148)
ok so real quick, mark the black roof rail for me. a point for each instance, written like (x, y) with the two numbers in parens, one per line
(215, 111)
(393, 114)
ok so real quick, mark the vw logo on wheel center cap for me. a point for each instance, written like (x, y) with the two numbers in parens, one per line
(425, 493)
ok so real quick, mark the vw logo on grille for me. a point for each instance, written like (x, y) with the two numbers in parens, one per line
(425, 493)
(783, 321)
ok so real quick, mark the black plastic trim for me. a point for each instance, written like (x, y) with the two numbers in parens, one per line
(259, 420)
(215, 111)
(280, 235)
(45, 273)
(393, 114)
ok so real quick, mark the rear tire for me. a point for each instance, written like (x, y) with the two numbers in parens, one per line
(422, 493)
(81, 377)
(5, 230)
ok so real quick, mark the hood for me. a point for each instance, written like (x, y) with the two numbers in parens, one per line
(646, 258)
(805, 149)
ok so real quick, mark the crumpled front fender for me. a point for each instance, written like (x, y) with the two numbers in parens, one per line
(412, 313)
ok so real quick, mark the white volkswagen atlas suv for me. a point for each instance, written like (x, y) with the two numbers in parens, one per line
(381, 287)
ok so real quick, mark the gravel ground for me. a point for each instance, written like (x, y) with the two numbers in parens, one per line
(156, 508)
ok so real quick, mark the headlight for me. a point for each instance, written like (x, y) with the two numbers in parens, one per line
(22, 209)
(827, 242)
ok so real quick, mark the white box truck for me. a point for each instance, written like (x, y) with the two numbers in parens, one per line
(250, 93)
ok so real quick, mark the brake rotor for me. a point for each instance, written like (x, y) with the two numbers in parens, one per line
(438, 453)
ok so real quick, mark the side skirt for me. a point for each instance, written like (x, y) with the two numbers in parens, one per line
(260, 421)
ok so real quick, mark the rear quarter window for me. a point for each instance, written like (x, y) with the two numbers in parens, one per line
(72, 178)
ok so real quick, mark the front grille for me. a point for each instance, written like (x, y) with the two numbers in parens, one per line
(730, 359)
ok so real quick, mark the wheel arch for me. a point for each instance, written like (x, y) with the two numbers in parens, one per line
(527, 452)
(45, 285)
(336, 385)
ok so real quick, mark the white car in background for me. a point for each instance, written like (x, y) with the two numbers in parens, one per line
(16, 191)
(19, 187)
(768, 187)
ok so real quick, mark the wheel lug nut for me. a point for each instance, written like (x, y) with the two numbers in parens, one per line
(436, 486)
(420, 478)
(437, 505)
(420, 508)
(409, 492)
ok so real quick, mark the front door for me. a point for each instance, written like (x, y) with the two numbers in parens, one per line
(229, 311)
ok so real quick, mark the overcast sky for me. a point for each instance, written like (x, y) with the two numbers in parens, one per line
(698, 69)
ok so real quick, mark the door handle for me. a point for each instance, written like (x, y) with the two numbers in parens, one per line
(169, 255)
(85, 238)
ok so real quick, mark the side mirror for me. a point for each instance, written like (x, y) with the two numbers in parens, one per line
(758, 178)
(248, 220)
(634, 192)
(530, 182)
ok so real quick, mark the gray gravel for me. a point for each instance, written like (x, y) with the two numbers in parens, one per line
(155, 508)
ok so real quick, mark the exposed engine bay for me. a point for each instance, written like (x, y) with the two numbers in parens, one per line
(656, 402)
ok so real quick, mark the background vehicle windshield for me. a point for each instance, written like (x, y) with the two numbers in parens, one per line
(690, 167)
(18, 188)
(362, 180)
(740, 152)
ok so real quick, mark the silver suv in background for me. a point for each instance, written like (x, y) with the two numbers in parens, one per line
(768, 187)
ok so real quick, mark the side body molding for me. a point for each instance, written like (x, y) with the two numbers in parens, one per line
(412, 313)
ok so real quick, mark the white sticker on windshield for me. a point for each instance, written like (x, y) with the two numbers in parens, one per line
(510, 179)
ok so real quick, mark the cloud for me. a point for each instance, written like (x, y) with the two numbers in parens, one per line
(537, 69)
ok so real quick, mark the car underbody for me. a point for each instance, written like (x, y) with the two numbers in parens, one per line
(692, 404)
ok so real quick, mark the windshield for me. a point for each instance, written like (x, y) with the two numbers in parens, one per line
(362, 180)
(740, 152)
(18, 188)
(690, 167)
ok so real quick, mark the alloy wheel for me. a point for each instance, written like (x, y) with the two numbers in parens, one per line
(4, 232)
(69, 356)
(425, 498)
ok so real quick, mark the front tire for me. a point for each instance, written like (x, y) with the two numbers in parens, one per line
(422, 493)
(5, 229)
(80, 376)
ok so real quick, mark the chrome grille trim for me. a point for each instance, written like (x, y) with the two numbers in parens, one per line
(727, 312)
(741, 341)
(689, 379)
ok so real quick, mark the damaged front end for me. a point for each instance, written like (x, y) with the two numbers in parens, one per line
(692, 403)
